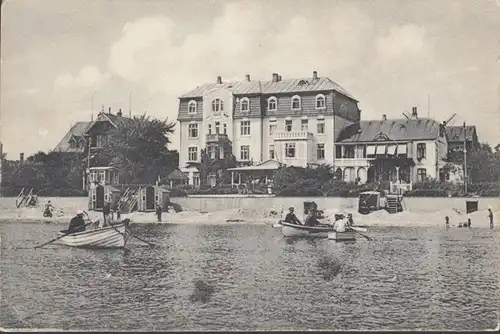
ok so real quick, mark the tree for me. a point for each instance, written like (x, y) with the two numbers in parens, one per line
(139, 149)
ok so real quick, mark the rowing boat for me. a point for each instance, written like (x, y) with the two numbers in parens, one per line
(114, 236)
(294, 230)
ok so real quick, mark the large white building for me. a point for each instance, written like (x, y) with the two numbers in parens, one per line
(291, 121)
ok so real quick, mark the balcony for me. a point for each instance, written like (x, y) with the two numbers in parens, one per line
(293, 135)
(216, 138)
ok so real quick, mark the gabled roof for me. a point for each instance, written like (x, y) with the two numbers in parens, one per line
(76, 131)
(457, 133)
(389, 130)
(270, 87)
(115, 120)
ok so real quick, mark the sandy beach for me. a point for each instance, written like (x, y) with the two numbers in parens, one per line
(249, 215)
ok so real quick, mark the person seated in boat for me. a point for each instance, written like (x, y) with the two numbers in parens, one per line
(77, 224)
(311, 219)
(340, 225)
(48, 210)
(291, 217)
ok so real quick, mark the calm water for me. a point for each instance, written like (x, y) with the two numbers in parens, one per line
(247, 277)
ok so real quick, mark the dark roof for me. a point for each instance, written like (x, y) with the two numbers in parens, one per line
(115, 120)
(177, 175)
(456, 133)
(269, 87)
(397, 129)
(76, 131)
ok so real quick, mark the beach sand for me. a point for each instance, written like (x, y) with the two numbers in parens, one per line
(69, 207)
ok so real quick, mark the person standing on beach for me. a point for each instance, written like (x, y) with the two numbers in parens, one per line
(105, 213)
(158, 211)
(468, 220)
(447, 219)
(490, 215)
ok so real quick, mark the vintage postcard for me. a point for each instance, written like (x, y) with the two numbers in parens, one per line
(240, 165)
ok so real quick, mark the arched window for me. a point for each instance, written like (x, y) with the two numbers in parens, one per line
(245, 105)
(217, 105)
(296, 102)
(192, 107)
(272, 104)
(320, 101)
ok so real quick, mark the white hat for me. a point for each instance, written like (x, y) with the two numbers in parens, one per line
(79, 212)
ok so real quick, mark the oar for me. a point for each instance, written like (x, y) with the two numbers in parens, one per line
(61, 236)
(133, 236)
(367, 237)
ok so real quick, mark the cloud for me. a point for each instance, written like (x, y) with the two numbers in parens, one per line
(88, 76)
(403, 41)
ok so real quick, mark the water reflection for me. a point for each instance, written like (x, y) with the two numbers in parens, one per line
(242, 277)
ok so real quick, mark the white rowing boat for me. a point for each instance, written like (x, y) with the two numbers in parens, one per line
(294, 230)
(115, 236)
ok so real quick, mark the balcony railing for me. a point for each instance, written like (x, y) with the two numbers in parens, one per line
(216, 137)
(292, 135)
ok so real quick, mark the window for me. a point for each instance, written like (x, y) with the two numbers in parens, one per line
(217, 105)
(290, 150)
(272, 104)
(296, 102)
(245, 152)
(193, 154)
(196, 180)
(212, 152)
(349, 152)
(421, 174)
(304, 125)
(272, 128)
(192, 107)
(225, 128)
(271, 151)
(321, 127)
(420, 151)
(245, 128)
(320, 101)
(245, 105)
(217, 127)
(209, 129)
(288, 125)
(193, 130)
(102, 140)
(320, 152)
(361, 151)
(338, 152)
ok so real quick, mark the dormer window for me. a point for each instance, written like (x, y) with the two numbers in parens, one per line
(296, 102)
(272, 104)
(217, 105)
(192, 107)
(303, 82)
(245, 105)
(320, 101)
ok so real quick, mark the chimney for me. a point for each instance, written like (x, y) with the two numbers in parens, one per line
(279, 77)
(119, 114)
(315, 75)
(414, 112)
(21, 157)
(219, 80)
(248, 77)
(384, 117)
(275, 77)
(109, 110)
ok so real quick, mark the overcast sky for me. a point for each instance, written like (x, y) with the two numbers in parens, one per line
(390, 54)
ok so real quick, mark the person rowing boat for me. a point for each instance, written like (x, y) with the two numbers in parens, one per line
(291, 217)
(77, 224)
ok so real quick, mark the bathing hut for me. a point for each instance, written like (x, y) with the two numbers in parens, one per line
(102, 187)
(149, 196)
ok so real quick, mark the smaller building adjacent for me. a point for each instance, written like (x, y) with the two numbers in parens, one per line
(402, 151)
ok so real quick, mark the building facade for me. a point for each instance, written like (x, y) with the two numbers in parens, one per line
(397, 150)
(293, 121)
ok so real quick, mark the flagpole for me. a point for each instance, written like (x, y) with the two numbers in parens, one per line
(466, 177)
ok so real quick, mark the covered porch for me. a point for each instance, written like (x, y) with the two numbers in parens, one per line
(397, 170)
(261, 174)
